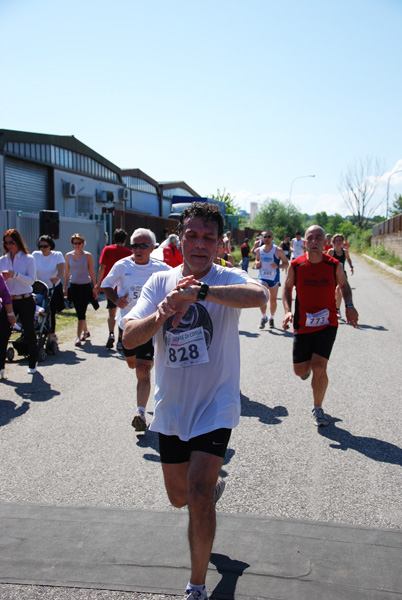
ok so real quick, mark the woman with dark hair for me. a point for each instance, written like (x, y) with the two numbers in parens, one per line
(80, 274)
(19, 272)
(49, 269)
(7, 320)
(341, 254)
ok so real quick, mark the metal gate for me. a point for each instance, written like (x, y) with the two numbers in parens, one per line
(26, 185)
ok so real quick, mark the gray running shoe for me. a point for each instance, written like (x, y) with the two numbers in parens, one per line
(320, 420)
(196, 595)
(263, 322)
(139, 423)
(338, 313)
(119, 345)
(271, 322)
(305, 376)
(219, 489)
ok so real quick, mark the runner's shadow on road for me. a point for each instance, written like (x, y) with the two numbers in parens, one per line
(279, 332)
(371, 447)
(149, 439)
(265, 414)
(249, 334)
(65, 357)
(230, 570)
(10, 411)
(37, 390)
(100, 351)
(379, 328)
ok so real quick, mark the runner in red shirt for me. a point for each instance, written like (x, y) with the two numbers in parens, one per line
(328, 242)
(315, 276)
(110, 255)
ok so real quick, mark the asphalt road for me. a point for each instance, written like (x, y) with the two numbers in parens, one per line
(66, 438)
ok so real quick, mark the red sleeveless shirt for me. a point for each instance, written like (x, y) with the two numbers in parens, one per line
(315, 294)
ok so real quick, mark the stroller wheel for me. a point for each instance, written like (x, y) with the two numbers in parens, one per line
(52, 347)
(41, 354)
(10, 354)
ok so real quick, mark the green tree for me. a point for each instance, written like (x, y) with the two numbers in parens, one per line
(396, 208)
(282, 218)
(321, 219)
(335, 224)
(228, 199)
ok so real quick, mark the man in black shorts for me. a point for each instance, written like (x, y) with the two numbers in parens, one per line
(315, 276)
(109, 256)
(193, 312)
(123, 287)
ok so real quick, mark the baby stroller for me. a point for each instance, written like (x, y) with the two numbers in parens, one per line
(42, 323)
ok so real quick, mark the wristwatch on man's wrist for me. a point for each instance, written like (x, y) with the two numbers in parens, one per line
(349, 305)
(202, 294)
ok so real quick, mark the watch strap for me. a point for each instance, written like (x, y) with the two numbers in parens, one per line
(202, 294)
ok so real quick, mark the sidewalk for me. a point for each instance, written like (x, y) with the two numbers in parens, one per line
(146, 551)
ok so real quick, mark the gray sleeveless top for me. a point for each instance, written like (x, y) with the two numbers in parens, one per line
(79, 272)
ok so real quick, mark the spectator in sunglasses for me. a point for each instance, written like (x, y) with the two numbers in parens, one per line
(18, 269)
(49, 269)
(80, 274)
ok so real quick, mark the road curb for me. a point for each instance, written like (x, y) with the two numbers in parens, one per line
(383, 266)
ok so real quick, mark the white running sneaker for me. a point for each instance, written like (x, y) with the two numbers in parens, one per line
(33, 370)
(320, 420)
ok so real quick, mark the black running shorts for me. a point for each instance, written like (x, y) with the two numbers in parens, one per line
(145, 352)
(174, 451)
(110, 304)
(318, 342)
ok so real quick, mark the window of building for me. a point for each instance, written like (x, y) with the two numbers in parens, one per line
(85, 205)
(61, 157)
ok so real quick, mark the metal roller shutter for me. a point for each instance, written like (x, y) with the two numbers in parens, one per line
(26, 186)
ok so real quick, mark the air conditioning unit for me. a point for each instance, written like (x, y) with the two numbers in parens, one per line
(124, 194)
(69, 189)
(104, 196)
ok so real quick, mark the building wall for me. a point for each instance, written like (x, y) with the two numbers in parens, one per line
(144, 202)
(86, 199)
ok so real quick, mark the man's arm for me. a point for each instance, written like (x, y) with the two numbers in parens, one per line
(101, 270)
(243, 295)
(287, 298)
(282, 256)
(349, 260)
(112, 295)
(352, 316)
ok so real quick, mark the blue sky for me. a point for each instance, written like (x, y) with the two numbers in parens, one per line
(244, 95)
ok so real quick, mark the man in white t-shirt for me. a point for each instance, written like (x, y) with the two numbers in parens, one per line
(193, 312)
(128, 275)
(298, 246)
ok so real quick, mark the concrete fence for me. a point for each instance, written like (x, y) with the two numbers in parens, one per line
(389, 234)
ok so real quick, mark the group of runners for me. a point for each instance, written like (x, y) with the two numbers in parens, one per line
(186, 320)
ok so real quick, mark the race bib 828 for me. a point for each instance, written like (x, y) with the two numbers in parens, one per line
(186, 349)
